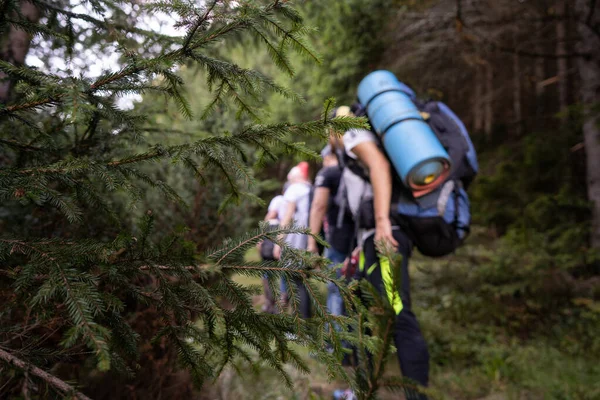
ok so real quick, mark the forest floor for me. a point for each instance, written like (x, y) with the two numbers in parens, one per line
(471, 357)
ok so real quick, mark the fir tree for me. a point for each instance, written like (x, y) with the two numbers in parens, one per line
(75, 280)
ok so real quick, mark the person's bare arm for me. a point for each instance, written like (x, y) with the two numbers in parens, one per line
(271, 215)
(289, 213)
(381, 179)
(317, 212)
(287, 219)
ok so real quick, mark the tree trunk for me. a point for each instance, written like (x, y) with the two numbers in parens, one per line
(478, 101)
(14, 47)
(589, 72)
(489, 98)
(518, 114)
(561, 62)
(539, 72)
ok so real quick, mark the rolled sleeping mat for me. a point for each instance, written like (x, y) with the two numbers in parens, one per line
(413, 148)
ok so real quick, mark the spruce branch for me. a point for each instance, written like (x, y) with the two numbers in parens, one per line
(294, 36)
(79, 156)
(222, 255)
(103, 24)
(380, 358)
(36, 29)
(29, 105)
(21, 146)
(172, 58)
(80, 317)
(279, 57)
(201, 20)
(50, 379)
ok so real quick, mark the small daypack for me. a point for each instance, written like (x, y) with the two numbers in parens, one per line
(267, 247)
(439, 221)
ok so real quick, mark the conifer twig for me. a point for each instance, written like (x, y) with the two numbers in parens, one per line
(197, 25)
(22, 146)
(167, 267)
(135, 69)
(40, 373)
(381, 358)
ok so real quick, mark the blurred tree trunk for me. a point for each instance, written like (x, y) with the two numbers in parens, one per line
(589, 72)
(489, 99)
(561, 62)
(518, 113)
(14, 45)
(539, 73)
(478, 100)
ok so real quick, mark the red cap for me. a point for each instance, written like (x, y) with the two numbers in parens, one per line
(303, 167)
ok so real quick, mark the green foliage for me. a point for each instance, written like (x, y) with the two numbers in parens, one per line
(372, 338)
(497, 321)
(109, 213)
(352, 43)
(536, 186)
(518, 176)
(82, 286)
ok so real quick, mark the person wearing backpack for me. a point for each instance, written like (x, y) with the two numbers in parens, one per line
(324, 211)
(266, 248)
(426, 208)
(298, 197)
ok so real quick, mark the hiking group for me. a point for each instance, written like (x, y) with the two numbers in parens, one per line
(402, 185)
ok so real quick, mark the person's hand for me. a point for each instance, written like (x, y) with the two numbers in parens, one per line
(277, 252)
(312, 246)
(383, 232)
(351, 263)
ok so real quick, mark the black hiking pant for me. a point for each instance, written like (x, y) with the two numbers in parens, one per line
(412, 352)
(304, 306)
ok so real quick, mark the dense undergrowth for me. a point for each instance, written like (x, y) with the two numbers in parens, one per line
(497, 321)
(513, 314)
(498, 327)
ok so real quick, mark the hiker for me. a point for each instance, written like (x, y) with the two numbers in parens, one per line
(324, 211)
(409, 190)
(276, 207)
(362, 145)
(298, 198)
(275, 211)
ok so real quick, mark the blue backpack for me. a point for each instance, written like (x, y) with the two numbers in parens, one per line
(438, 222)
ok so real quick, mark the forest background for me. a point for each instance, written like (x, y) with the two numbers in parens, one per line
(513, 314)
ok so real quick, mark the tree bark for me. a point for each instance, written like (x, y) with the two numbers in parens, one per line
(489, 98)
(539, 72)
(589, 72)
(478, 101)
(517, 111)
(561, 62)
(14, 47)
(50, 379)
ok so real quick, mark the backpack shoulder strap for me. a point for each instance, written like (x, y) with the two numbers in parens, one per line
(341, 200)
(357, 169)
(449, 132)
(471, 154)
